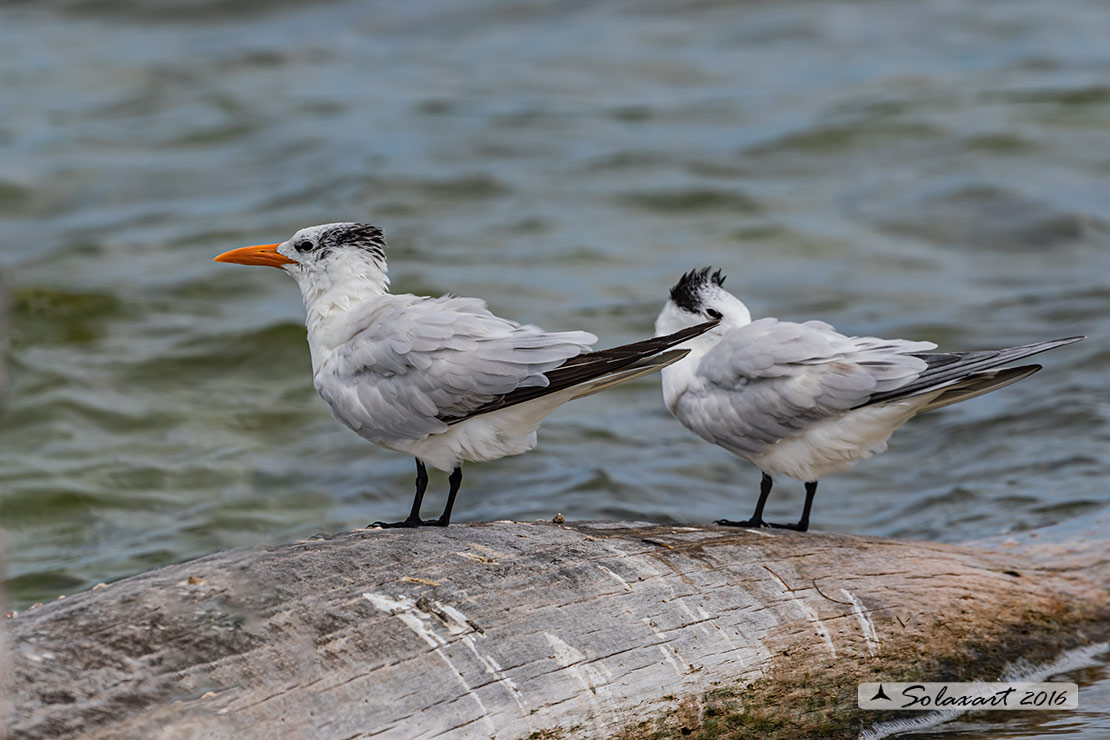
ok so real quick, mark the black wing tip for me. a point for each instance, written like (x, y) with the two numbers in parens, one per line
(1062, 340)
(590, 365)
(1047, 345)
(648, 347)
(691, 331)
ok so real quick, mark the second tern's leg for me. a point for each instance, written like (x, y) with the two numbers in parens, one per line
(803, 523)
(455, 480)
(756, 519)
(418, 498)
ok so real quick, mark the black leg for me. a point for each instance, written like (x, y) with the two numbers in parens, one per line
(455, 480)
(803, 523)
(417, 499)
(757, 516)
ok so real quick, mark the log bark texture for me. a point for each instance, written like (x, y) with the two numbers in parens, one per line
(536, 630)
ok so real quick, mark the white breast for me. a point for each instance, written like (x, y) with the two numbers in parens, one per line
(491, 436)
(834, 445)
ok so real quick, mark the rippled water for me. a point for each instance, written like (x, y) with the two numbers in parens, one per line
(934, 170)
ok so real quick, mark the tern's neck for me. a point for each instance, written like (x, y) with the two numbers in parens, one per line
(331, 309)
(678, 377)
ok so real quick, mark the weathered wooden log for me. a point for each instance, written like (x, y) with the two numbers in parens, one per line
(535, 630)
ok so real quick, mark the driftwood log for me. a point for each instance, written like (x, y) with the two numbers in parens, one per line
(536, 630)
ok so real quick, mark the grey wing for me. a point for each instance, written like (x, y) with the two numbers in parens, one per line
(949, 368)
(618, 364)
(416, 360)
(770, 379)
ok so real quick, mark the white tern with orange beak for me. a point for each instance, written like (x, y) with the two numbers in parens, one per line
(442, 379)
(803, 400)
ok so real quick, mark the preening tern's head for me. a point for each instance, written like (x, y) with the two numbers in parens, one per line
(697, 297)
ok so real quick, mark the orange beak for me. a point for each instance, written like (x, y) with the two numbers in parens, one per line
(263, 254)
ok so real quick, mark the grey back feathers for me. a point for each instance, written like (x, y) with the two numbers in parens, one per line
(768, 380)
(418, 361)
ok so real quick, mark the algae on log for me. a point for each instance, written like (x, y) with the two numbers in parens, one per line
(517, 630)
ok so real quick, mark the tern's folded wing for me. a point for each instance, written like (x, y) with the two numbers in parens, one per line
(589, 366)
(949, 368)
(766, 381)
(413, 362)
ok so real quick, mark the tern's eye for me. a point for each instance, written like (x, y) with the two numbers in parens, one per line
(303, 246)
(712, 313)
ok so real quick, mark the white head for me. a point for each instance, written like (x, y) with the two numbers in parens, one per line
(697, 297)
(335, 265)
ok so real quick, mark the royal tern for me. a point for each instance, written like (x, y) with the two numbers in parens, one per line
(803, 400)
(442, 379)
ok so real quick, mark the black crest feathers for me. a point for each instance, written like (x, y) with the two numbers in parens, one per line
(686, 293)
(363, 236)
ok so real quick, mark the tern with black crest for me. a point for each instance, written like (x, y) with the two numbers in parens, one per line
(442, 379)
(803, 400)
